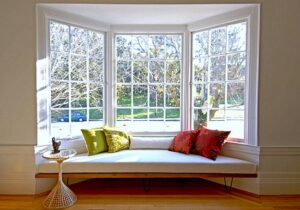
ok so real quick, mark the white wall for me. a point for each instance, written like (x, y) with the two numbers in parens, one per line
(278, 93)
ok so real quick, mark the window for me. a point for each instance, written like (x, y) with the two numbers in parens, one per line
(148, 75)
(219, 77)
(147, 79)
(76, 79)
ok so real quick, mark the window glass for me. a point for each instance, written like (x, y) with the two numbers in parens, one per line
(219, 74)
(76, 79)
(148, 69)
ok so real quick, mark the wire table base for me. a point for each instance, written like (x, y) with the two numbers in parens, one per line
(60, 197)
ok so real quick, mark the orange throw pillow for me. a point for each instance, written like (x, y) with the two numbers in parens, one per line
(209, 143)
(183, 141)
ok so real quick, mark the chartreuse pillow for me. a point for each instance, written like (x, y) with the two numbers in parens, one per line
(116, 139)
(95, 140)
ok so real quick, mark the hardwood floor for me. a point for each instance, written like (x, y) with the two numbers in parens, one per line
(122, 194)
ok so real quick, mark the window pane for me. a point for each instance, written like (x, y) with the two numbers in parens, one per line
(78, 115)
(218, 41)
(96, 44)
(156, 71)
(60, 126)
(173, 114)
(78, 68)
(96, 95)
(59, 116)
(173, 72)
(235, 95)
(217, 95)
(157, 46)
(59, 94)
(235, 114)
(173, 47)
(140, 114)
(200, 117)
(237, 66)
(200, 95)
(218, 68)
(200, 44)
(124, 95)
(78, 40)
(59, 37)
(237, 37)
(59, 66)
(96, 70)
(173, 95)
(123, 43)
(124, 114)
(200, 69)
(217, 115)
(156, 95)
(140, 74)
(140, 46)
(96, 114)
(78, 95)
(155, 114)
(124, 71)
(140, 95)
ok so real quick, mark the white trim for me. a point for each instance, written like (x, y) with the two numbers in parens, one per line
(185, 95)
(280, 151)
(223, 19)
(159, 29)
(72, 19)
(253, 77)
(242, 151)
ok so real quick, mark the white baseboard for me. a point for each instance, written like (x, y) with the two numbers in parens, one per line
(17, 186)
(279, 170)
(280, 186)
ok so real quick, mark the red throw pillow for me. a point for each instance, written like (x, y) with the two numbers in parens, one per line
(183, 141)
(209, 143)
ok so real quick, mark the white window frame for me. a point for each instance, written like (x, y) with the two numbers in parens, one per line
(251, 16)
(153, 29)
(149, 84)
(70, 81)
(43, 89)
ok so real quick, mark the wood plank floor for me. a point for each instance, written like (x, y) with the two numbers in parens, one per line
(120, 194)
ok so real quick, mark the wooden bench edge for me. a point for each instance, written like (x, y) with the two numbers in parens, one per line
(145, 175)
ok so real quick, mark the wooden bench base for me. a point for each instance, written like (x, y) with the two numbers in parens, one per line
(148, 176)
(144, 175)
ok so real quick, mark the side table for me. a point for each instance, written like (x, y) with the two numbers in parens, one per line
(60, 196)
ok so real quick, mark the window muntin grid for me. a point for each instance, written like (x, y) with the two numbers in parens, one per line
(219, 57)
(148, 70)
(76, 67)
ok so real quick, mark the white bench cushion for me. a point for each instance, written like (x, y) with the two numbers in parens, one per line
(151, 142)
(148, 161)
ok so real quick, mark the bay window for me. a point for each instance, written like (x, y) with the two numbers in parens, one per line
(148, 80)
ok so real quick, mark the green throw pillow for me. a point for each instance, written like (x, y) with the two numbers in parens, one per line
(116, 140)
(95, 140)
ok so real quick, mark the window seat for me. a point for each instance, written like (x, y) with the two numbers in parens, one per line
(151, 163)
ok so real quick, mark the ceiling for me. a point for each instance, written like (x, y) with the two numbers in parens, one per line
(116, 14)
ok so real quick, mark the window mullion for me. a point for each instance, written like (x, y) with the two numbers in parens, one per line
(70, 84)
(208, 77)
